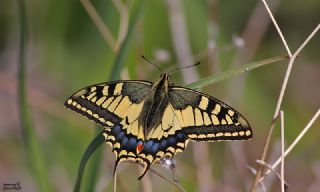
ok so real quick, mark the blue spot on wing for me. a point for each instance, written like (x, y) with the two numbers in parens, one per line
(155, 148)
(116, 129)
(180, 136)
(132, 145)
(163, 144)
(129, 143)
(124, 141)
(171, 140)
(120, 136)
(147, 146)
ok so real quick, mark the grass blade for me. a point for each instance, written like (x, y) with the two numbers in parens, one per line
(93, 168)
(234, 72)
(115, 74)
(124, 47)
(31, 144)
(95, 143)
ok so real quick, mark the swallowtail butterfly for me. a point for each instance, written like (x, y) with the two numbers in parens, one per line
(145, 121)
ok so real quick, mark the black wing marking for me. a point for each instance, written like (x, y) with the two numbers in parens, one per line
(205, 118)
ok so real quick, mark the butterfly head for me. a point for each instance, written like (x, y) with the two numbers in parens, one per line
(163, 83)
(165, 77)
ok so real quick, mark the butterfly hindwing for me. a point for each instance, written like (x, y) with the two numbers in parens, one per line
(204, 118)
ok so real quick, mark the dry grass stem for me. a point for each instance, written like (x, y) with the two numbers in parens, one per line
(316, 29)
(124, 21)
(282, 152)
(255, 30)
(286, 78)
(279, 102)
(97, 20)
(263, 157)
(115, 182)
(184, 55)
(170, 181)
(180, 39)
(295, 142)
(277, 27)
(271, 169)
(163, 177)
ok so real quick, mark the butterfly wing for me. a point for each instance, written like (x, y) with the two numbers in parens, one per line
(168, 137)
(204, 118)
(107, 103)
(115, 106)
(192, 115)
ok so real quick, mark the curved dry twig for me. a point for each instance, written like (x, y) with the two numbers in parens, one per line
(161, 176)
(271, 169)
(295, 142)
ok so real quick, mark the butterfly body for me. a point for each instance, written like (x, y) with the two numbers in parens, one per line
(154, 105)
(145, 121)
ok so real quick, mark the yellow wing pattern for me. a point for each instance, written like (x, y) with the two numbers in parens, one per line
(204, 118)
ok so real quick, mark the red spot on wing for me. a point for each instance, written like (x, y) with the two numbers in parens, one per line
(139, 147)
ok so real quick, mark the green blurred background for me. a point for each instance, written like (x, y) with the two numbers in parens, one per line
(66, 51)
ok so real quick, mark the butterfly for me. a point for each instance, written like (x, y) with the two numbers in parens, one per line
(146, 121)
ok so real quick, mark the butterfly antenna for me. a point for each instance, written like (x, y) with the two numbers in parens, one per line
(143, 57)
(178, 68)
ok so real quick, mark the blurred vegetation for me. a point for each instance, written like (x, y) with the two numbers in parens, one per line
(65, 52)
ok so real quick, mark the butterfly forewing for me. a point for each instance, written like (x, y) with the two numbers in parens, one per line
(204, 118)
(107, 103)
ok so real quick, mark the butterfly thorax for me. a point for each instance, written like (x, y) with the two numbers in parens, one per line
(155, 104)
